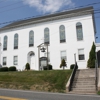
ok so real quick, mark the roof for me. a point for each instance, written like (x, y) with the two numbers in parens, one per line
(97, 44)
(56, 16)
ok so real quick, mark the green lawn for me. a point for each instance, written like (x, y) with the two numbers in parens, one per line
(54, 81)
(98, 92)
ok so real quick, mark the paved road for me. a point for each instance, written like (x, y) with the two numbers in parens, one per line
(7, 94)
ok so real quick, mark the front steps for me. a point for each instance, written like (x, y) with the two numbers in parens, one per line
(84, 82)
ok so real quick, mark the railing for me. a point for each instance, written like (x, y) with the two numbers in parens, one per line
(96, 74)
(72, 77)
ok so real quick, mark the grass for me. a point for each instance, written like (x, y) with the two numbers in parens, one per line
(52, 81)
(98, 92)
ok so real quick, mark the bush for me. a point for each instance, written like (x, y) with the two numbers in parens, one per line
(27, 67)
(47, 68)
(63, 64)
(98, 92)
(72, 66)
(4, 69)
(92, 57)
(12, 68)
(50, 67)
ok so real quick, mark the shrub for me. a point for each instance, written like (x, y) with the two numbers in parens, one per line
(4, 69)
(12, 68)
(98, 92)
(50, 67)
(27, 67)
(63, 64)
(47, 68)
(92, 57)
(72, 66)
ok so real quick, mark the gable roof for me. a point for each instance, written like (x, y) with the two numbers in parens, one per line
(56, 16)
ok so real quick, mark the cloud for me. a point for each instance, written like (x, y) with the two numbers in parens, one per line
(48, 5)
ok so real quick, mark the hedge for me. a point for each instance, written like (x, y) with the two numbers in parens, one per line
(12, 68)
(72, 66)
(27, 66)
(4, 69)
(47, 68)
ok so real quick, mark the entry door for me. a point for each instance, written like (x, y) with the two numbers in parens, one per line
(32, 62)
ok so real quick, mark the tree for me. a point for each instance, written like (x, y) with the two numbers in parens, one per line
(63, 64)
(92, 57)
(27, 67)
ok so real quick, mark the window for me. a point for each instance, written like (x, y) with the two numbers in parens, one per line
(62, 33)
(31, 38)
(63, 55)
(5, 43)
(46, 36)
(45, 54)
(15, 60)
(4, 60)
(79, 31)
(16, 41)
(81, 54)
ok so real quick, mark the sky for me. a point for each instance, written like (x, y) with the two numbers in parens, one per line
(12, 10)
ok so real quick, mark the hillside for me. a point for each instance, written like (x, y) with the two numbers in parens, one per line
(52, 81)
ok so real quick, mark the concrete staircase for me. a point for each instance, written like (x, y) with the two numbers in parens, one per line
(84, 82)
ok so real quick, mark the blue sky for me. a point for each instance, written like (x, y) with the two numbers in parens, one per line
(11, 10)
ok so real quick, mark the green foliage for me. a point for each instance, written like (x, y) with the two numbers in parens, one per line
(12, 68)
(27, 67)
(98, 92)
(63, 64)
(54, 80)
(72, 66)
(92, 57)
(47, 68)
(50, 67)
(4, 69)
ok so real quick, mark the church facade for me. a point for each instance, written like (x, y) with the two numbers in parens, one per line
(69, 35)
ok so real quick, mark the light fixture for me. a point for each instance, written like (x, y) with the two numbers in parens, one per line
(43, 49)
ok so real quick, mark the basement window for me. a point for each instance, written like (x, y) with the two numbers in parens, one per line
(81, 55)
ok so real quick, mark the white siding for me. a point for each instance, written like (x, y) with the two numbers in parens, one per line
(71, 45)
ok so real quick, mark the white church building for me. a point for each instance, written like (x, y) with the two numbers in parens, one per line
(68, 34)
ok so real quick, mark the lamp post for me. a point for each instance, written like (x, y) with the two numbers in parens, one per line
(96, 69)
(47, 57)
(0, 54)
(39, 57)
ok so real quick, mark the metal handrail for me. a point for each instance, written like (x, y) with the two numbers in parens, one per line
(73, 75)
(96, 74)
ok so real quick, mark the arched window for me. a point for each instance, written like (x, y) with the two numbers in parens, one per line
(46, 36)
(79, 31)
(62, 34)
(5, 43)
(31, 38)
(16, 41)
